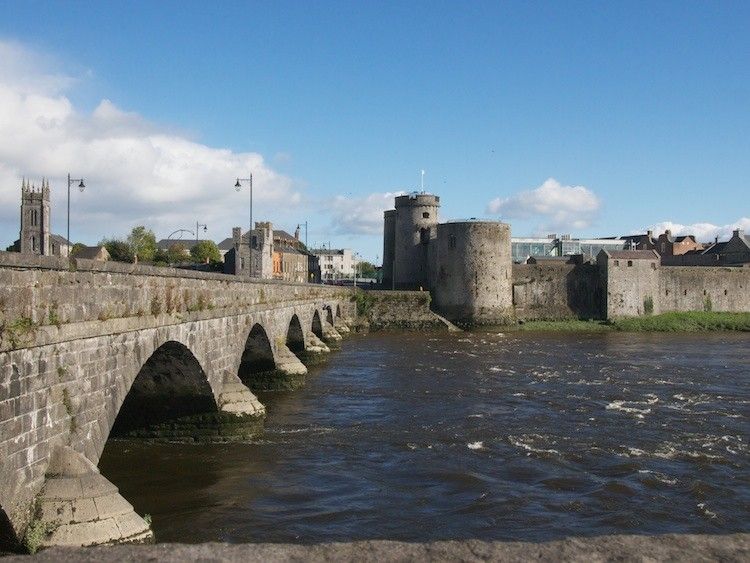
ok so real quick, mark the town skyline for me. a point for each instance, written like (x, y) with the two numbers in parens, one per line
(334, 148)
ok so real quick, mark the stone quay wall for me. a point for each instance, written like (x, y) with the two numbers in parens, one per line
(557, 291)
(383, 309)
(75, 335)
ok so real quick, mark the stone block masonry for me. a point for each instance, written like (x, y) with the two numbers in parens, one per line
(75, 336)
(557, 291)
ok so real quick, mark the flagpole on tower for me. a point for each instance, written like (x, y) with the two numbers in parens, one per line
(423, 181)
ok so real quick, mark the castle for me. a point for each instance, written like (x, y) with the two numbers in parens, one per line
(468, 268)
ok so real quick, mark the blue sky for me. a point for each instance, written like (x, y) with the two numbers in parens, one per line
(585, 117)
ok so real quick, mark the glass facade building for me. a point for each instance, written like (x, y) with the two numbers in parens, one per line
(523, 248)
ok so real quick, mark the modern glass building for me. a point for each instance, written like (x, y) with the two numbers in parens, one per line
(523, 248)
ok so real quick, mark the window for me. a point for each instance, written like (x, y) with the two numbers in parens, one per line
(684, 292)
(33, 244)
(254, 242)
(653, 265)
(425, 215)
(630, 263)
(452, 240)
(617, 262)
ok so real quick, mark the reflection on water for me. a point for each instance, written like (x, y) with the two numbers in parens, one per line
(488, 435)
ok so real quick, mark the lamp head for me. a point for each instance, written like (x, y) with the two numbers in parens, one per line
(238, 186)
(81, 186)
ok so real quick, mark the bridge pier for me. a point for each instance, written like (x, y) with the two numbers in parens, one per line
(78, 506)
(341, 326)
(290, 369)
(330, 334)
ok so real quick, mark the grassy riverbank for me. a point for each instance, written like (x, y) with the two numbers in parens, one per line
(667, 322)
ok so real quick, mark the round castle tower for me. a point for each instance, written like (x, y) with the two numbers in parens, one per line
(473, 281)
(416, 218)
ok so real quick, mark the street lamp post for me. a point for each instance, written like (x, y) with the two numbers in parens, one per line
(198, 226)
(81, 187)
(238, 187)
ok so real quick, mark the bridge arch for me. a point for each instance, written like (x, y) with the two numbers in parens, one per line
(257, 358)
(8, 538)
(316, 325)
(295, 336)
(170, 386)
(329, 314)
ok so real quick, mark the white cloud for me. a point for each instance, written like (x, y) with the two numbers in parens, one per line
(136, 172)
(361, 215)
(704, 232)
(567, 208)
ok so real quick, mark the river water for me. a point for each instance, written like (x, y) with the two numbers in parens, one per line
(481, 435)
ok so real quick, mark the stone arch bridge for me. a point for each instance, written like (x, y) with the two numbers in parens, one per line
(90, 349)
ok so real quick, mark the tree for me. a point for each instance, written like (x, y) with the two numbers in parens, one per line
(205, 251)
(177, 253)
(367, 270)
(77, 247)
(142, 241)
(119, 250)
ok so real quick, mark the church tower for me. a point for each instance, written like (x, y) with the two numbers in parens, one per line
(35, 233)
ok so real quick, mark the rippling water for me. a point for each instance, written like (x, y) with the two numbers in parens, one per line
(482, 435)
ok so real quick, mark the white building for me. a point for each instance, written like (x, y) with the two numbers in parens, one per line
(335, 263)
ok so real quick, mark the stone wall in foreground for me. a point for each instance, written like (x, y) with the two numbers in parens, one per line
(672, 547)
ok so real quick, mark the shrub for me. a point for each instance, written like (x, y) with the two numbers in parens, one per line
(648, 305)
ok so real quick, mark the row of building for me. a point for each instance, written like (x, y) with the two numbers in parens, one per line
(676, 250)
(263, 252)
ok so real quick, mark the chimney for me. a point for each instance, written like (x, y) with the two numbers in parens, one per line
(716, 239)
(650, 234)
(738, 233)
(668, 232)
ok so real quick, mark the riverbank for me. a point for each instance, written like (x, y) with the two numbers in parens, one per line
(679, 547)
(666, 322)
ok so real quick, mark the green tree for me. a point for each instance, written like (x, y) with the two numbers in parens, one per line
(77, 247)
(119, 250)
(205, 251)
(177, 253)
(366, 270)
(161, 257)
(143, 243)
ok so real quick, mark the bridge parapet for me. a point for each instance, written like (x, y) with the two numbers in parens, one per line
(40, 296)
